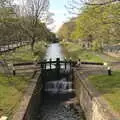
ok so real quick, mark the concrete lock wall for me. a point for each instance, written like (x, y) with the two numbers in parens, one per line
(94, 107)
(31, 100)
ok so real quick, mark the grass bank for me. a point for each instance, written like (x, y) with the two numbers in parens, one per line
(74, 51)
(11, 92)
(109, 87)
(25, 54)
(12, 88)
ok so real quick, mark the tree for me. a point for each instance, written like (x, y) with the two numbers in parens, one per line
(74, 6)
(102, 22)
(28, 24)
(65, 32)
(36, 10)
(7, 16)
(5, 3)
(77, 3)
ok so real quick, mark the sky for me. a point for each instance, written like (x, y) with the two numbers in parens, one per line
(57, 7)
(60, 13)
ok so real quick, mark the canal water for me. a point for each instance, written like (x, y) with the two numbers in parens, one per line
(54, 84)
(54, 51)
(57, 93)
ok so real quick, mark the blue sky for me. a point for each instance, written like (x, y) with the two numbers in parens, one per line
(57, 7)
(60, 12)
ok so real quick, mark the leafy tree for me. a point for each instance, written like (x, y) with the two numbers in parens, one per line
(101, 22)
(65, 32)
(24, 25)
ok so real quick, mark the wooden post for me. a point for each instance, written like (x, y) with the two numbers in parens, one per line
(58, 66)
(44, 64)
(14, 71)
(65, 64)
(50, 63)
(70, 63)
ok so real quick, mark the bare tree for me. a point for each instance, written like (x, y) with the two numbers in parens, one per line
(36, 11)
(5, 3)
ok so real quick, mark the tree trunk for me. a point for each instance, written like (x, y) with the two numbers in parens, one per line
(32, 43)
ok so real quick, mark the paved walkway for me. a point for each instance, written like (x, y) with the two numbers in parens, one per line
(86, 70)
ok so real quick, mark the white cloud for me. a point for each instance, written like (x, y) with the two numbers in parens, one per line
(55, 26)
(57, 11)
(59, 18)
(58, 25)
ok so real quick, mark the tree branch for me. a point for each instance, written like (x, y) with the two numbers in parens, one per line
(104, 3)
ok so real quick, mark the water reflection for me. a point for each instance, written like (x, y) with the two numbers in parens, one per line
(54, 51)
(57, 86)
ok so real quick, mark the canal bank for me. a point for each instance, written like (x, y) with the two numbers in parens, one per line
(57, 90)
(93, 104)
(104, 106)
(67, 96)
(30, 101)
(12, 88)
(51, 104)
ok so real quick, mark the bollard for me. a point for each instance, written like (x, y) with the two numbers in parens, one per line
(78, 63)
(109, 71)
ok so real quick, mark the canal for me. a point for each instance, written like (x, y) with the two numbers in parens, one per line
(57, 92)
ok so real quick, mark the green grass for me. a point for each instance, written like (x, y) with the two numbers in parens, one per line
(11, 91)
(25, 54)
(74, 51)
(109, 87)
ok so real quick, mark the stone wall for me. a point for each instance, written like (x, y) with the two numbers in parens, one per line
(94, 107)
(31, 100)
